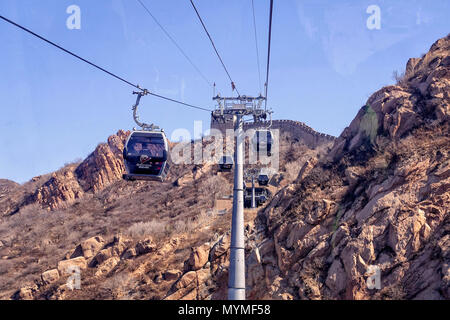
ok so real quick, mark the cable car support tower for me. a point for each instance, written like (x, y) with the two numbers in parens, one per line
(238, 108)
(252, 175)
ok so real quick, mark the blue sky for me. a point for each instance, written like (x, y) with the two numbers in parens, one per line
(325, 64)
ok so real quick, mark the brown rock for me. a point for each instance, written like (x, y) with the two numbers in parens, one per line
(59, 191)
(65, 266)
(337, 278)
(129, 254)
(26, 293)
(286, 296)
(297, 232)
(187, 288)
(169, 247)
(61, 293)
(382, 201)
(185, 180)
(405, 237)
(220, 247)
(190, 296)
(307, 243)
(103, 255)
(402, 121)
(91, 246)
(444, 246)
(107, 266)
(172, 274)
(119, 244)
(319, 210)
(352, 174)
(306, 168)
(203, 283)
(187, 279)
(189, 293)
(199, 257)
(50, 276)
(145, 246)
(255, 271)
(342, 232)
(103, 166)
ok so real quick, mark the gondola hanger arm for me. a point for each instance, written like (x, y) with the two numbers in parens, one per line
(143, 125)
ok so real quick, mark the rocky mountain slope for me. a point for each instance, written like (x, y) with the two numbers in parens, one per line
(45, 220)
(380, 198)
(377, 198)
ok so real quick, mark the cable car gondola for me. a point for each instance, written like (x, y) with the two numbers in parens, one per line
(146, 156)
(226, 163)
(263, 139)
(146, 152)
(263, 179)
(263, 176)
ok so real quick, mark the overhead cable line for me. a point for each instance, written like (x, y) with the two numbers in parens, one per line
(175, 43)
(100, 68)
(257, 49)
(268, 49)
(233, 85)
(180, 102)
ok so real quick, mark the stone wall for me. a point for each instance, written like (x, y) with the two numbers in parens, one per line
(297, 129)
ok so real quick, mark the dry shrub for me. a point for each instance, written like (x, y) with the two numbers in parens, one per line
(292, 170)
(118, 284)
(5, 266)
(214, 186)
(144, 229)
(192, 224)
(399, 77)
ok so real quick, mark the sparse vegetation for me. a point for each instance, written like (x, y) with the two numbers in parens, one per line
(144, 229)
(292, 170)
(399, 77)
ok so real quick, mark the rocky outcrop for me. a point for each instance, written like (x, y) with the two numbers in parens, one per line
(50, 276)
(25, 293)
(101, 168)
(145, 246)
(94, 253)
(198, 258)
(376, 209)
(199, 279)
(88, 248)
(59, 191)
(7, 186)
(105, 165)
(8, 202)
(172, 274)
(422, 97)
(67, 267)
(330, 232)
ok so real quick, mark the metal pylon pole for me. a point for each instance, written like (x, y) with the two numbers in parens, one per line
(236, 277)
(253, 192)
